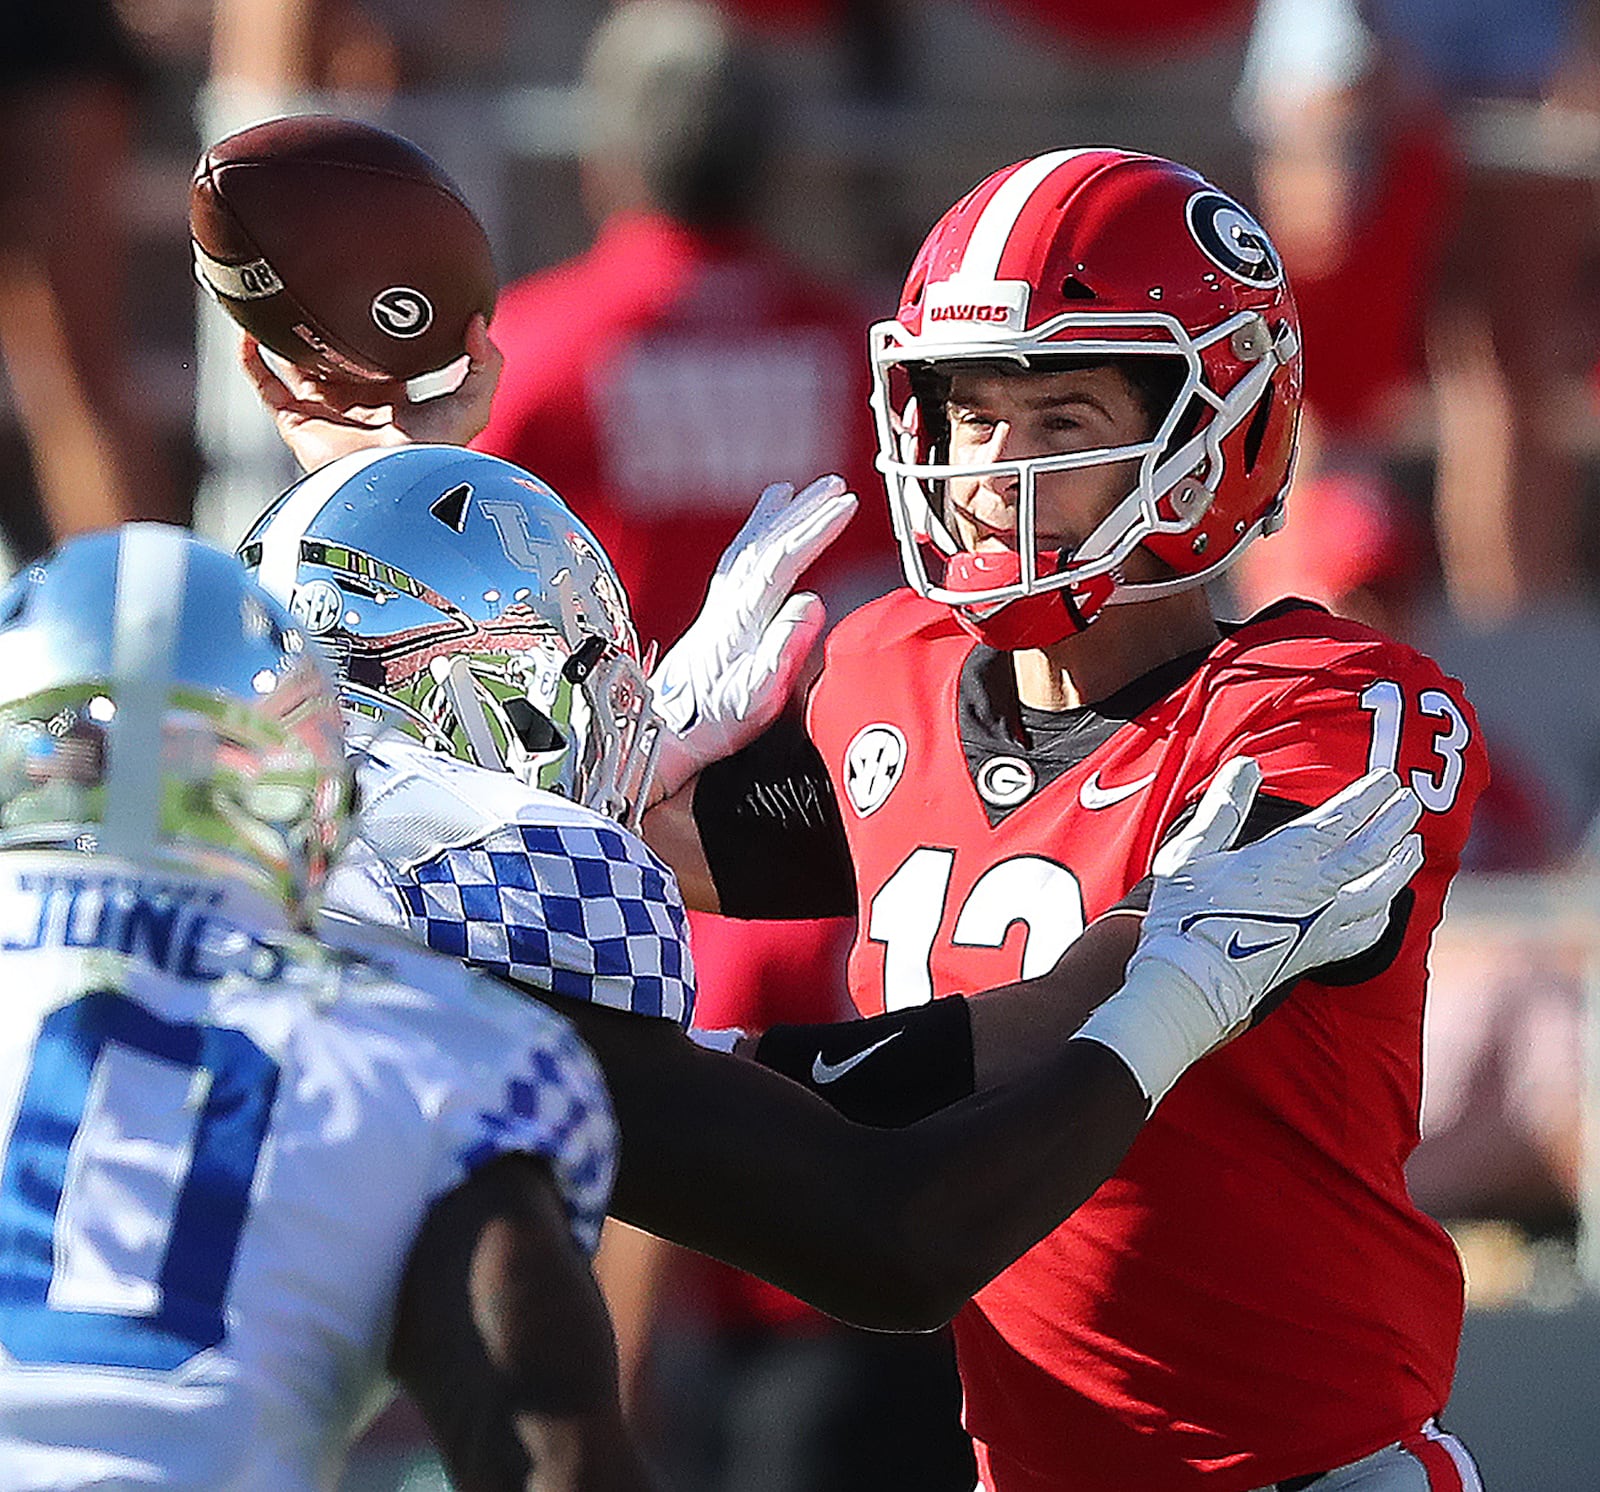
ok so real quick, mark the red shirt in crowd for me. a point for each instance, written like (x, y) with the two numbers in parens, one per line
(661, 380)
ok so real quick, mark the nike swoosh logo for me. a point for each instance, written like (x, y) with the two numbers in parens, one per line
(830, 1072)
(1093, 796)
(1236, 949)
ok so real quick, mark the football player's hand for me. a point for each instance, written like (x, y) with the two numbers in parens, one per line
(321, 421)
(728, 677)
(1227, 926)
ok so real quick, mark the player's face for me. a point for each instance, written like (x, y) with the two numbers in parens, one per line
(998, 415)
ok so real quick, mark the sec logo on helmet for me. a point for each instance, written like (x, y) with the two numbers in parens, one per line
(317, 606)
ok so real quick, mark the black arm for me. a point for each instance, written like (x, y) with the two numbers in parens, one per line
(502, 1339)
(896, 1068)
(888, 1228)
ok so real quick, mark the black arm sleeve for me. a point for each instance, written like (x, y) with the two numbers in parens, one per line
(770, 828)
(889, 1071)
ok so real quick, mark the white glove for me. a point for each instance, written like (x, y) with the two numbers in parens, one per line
(1226, 926)
(726, 679)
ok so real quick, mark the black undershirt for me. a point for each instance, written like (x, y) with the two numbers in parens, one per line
(993, 722)
(769, 820)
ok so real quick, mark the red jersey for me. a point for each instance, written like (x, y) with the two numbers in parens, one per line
(1253, 1296)
(661, 380)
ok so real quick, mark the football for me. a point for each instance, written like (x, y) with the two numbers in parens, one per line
(342, 248)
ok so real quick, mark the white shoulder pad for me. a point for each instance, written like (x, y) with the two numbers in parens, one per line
(416, 802)
(522, 883)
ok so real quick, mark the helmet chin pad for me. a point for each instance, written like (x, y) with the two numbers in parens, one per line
(1039, 620)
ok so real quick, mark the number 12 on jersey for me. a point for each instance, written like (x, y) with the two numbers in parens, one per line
(906, 914)
(1386, 702)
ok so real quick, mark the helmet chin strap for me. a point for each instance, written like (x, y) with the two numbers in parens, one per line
(1039, 620)
(1020, 626)
(1049, 617)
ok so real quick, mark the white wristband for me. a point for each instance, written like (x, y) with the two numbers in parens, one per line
(717, 1038)
(1158, 1023)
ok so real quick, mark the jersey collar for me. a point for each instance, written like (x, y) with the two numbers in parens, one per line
(994, 724)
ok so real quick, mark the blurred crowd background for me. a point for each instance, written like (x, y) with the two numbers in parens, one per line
(696, 210)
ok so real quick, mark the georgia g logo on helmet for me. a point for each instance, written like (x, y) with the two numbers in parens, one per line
(1233, 240)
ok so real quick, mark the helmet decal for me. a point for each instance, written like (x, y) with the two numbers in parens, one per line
(1233, 240)
(451, 509)
(317, 606)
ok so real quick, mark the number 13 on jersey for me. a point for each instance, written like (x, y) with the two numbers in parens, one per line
(1439, 782)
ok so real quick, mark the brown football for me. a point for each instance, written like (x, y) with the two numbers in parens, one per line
(340, 246)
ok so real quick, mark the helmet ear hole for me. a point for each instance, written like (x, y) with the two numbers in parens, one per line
(1257, 431)
(536, 730)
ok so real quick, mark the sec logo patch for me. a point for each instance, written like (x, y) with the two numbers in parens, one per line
(873, 764)
(317, 606)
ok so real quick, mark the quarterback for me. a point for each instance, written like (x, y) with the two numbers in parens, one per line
(246, 1174)
(1087, 405)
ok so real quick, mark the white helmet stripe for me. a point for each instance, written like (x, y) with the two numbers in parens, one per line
(280, 544)
(152, 571)
(981, 258)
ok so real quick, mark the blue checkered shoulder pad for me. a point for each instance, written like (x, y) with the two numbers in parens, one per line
(562, 899)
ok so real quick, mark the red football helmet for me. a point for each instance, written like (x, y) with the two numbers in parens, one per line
(1094, 255)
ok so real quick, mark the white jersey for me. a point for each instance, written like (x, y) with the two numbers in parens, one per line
(514, 880)
(218, 1147)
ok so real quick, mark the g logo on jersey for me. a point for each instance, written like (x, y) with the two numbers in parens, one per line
(1233, 240)
(1004, 781)
(402, 311)
(873, 762)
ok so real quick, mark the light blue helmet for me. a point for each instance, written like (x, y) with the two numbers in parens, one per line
(156, 707)
(464, 602)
